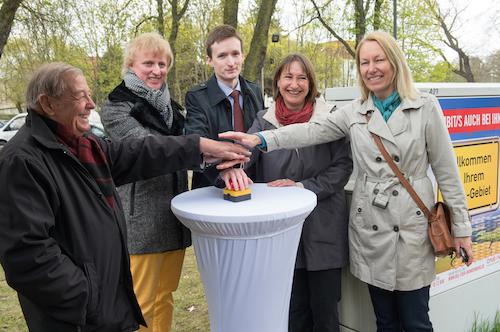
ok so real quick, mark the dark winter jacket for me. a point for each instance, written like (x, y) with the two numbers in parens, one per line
(151, 225)
(324, 169)
(62, 247)
(209, 113)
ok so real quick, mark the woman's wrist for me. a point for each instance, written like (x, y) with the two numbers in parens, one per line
(260, 141)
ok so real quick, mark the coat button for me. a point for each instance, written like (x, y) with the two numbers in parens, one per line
(378, 159)
(396, 158)
(360, 209)
(375, 191)
(419, 212)
(375, 227)
(395, 193)
(396, 228)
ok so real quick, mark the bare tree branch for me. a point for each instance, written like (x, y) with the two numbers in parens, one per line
(464, 67)
(435, 49)
(302, 25)
(141, 22)
(333, 32)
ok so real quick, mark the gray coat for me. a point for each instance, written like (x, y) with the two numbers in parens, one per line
(323, 169)
(389, 248)
(151, 225)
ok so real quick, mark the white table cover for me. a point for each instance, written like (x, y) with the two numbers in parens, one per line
(246, 253)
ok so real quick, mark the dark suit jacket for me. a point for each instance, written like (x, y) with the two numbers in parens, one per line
(209, 113)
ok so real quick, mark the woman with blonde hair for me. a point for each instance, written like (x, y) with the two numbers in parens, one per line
(141, 106)
(388, 242)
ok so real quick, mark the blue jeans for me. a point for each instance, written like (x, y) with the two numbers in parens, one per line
(399, 311)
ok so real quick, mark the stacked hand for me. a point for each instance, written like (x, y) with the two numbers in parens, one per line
(248, 140)
(236, 178)
(225, 153)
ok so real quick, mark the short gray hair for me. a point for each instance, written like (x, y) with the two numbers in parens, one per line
(50, 79)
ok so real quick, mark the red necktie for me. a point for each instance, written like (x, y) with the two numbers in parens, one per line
(239, 124)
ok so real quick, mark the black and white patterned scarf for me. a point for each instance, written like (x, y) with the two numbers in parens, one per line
(159, 99)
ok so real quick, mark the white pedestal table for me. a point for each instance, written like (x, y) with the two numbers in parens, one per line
(246, 253)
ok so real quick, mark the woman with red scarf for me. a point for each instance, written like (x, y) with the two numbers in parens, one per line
(323, 169)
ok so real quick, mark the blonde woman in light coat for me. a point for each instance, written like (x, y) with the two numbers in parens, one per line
(389, 246)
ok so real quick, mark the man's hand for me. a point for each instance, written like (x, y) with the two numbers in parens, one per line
(249, 140)
(230, 153)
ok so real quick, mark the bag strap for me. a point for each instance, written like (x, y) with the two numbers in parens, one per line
(400, 175)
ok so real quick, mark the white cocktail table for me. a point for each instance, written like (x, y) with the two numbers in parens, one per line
(246, 253)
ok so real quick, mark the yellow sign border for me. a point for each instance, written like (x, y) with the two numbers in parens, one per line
(488, 140)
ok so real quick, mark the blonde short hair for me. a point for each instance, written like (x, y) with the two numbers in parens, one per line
(402, 80)
(149, 41)
(49, 79)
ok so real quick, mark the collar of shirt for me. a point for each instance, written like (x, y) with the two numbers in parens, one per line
(227, 91)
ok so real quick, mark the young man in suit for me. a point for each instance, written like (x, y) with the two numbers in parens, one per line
(227, 101)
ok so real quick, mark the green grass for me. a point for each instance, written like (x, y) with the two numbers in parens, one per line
(481, 325)
(191, 311)
(11, 317)
(190, 314)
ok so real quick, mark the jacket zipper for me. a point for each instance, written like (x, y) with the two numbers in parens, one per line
(132, 199)
(87, 176)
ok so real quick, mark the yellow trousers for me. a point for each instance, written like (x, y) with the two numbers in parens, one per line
(156, 277)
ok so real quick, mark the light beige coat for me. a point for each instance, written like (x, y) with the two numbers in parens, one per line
(389, 248)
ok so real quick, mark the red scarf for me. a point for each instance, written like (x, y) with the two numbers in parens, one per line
(89, 152)
(286, 117)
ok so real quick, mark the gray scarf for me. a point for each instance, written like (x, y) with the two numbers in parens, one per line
(159, 99)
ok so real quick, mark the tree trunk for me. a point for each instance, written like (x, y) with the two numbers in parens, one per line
(359, 20)
(258, 47)
(160, 19)
(7, 13)
(376, 14)
(177, 14)
(231, 12)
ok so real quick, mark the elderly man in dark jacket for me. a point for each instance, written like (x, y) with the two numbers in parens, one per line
(62, 233)
(225, 102)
